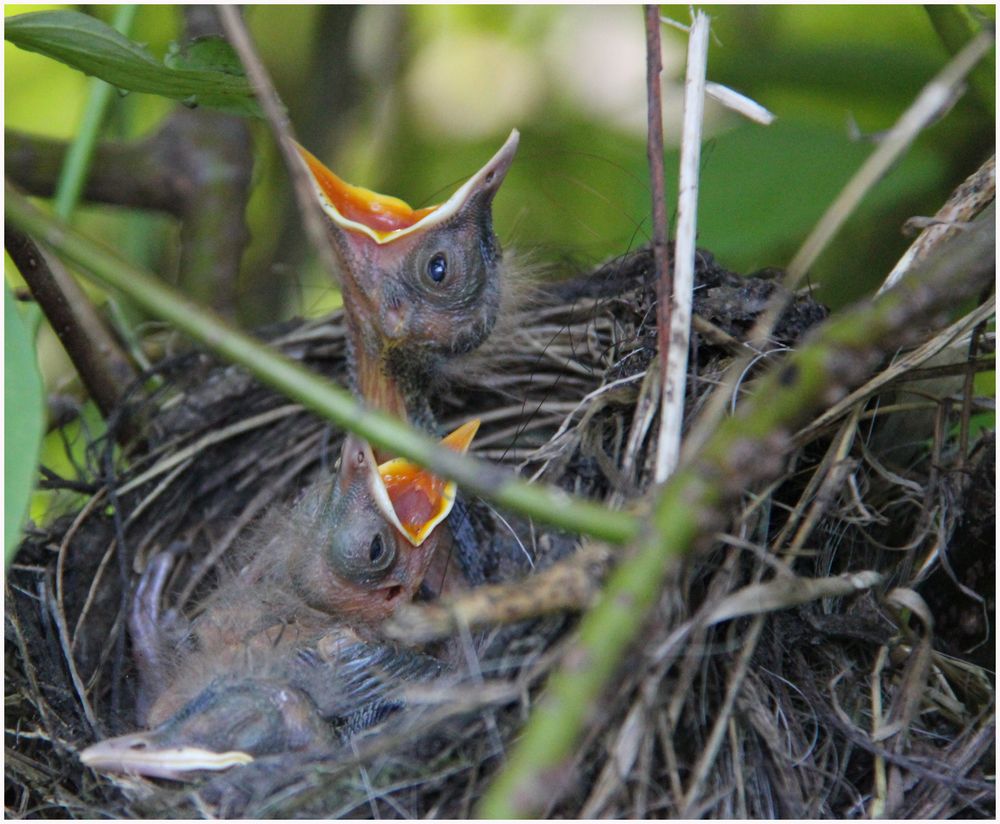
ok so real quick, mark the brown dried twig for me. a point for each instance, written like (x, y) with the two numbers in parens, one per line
(103, 366)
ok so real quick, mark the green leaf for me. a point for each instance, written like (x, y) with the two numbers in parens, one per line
(87, 44)
(211, 53)
(24, 418)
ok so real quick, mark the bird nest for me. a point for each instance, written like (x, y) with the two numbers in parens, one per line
(868, 689)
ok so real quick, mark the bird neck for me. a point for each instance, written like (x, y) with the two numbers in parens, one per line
(370, 375)
(384, 379)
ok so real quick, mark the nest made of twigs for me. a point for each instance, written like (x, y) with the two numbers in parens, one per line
(748, 715)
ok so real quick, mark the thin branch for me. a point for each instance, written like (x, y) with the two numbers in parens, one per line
(967, 201)
(132, 174)
(317, 394)
(661, 255)
(216, 153)
(739, 103)
(921, 113)
(747, 448)
(104, 368)
(571, 584)
(196, 167)
(277, 118)
(676, 356)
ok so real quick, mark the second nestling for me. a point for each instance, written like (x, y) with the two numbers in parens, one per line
(288, 647)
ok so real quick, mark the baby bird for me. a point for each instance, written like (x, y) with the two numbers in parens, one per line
(420, 286)
(269, 699)
(366, 547)
(288, 646)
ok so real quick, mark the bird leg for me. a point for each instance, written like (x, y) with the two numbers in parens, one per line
(156, 636)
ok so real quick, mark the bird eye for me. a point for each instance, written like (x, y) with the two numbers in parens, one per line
(380, 555)
(437, 267)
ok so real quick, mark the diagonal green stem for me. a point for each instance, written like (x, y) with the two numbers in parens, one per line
(547, 505)
(77, 162)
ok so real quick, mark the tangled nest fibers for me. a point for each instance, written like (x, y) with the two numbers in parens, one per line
(880, 700)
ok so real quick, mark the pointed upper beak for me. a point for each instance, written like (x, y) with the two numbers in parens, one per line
(139, 754)
(419, 500)
(385, 219)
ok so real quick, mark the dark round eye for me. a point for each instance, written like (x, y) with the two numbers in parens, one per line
(376, 552)
(437, 267)
(359, 458)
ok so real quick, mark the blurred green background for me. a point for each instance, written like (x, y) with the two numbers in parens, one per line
(409, 100)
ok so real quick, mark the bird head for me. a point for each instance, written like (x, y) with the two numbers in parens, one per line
(225, 725)
(374, 537)
(420, 279)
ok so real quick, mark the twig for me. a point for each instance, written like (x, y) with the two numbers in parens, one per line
(934, 96)
(317, 394)
(661, 259)
(739, 103)
(676, 356)
(277, 118)
(103, 367)
(967, 201)
(197, 167)
(569, 585)
(747, 448)
(788, 591)
(134, 173)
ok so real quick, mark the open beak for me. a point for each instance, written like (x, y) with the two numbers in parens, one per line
(418, 500)
(385, 219)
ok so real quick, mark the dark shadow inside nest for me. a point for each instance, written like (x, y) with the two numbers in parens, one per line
(557, 394)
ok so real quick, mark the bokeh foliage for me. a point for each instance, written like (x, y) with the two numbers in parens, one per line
(410, 100)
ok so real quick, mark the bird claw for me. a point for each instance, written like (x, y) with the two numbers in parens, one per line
(153, 631)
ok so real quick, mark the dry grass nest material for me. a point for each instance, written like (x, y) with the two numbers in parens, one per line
(834, 701)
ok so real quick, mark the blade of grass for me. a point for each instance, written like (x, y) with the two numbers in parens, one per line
(77, 161)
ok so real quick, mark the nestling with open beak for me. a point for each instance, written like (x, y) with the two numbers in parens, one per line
(366, 548)
(419, 285)
(280, 648)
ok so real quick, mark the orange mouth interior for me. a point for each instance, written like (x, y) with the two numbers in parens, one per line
(382, 214)
(420, 499)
